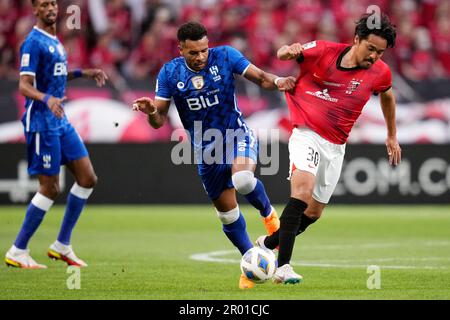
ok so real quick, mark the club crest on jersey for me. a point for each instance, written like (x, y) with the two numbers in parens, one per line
(198, 82)
(353, 85)
(214, 70)
(51, 49)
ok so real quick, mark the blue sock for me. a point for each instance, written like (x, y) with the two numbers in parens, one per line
(237, 234)
(75, 204)
(258, 198)
(35, 214)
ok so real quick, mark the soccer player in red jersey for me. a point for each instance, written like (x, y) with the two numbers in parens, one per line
(335, 82)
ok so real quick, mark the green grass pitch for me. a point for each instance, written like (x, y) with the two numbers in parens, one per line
(180, 252)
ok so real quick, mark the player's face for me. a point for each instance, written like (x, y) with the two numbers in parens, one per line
(46, 11)
(195, 53)
(369, 50)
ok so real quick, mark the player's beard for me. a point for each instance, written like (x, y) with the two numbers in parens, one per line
(50, 20)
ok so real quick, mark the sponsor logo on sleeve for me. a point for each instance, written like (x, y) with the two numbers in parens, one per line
(309, 45)
(25, 60)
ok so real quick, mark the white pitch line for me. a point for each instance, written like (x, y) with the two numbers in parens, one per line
(375, 245)
(216, 256)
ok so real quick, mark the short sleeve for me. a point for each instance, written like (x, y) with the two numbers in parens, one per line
(239, 63)
(384, 81)
(29, 58)
(162, 90)
(312, 50)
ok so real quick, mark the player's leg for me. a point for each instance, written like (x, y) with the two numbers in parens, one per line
(327, 177)
(234, 227)
(302, 185)
(233, 222)
(218, 185)
(85, 180)
(44, 161)
(330, 159)
(245, 182)
(304, 153)
(76, 158)
(311, 215)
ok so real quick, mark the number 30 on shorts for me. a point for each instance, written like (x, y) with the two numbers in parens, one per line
(313, 156)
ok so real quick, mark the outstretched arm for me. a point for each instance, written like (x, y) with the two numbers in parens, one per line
(97, 74)
(156, 110)
(267, 80)
(387, 101)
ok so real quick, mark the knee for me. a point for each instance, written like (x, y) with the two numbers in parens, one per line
(304, 194)
(313, 214)
(50, 190)
(244, 181)
(230, 216)
(88, 182)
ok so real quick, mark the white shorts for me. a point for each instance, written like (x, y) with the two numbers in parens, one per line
(310, 152)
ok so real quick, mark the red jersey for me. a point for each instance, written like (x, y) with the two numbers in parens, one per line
(328, 98)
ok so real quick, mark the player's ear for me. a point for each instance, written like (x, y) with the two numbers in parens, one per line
(356, 40)
(35, 8)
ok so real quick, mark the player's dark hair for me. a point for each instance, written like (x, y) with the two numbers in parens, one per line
(191, 31)
(368, 24)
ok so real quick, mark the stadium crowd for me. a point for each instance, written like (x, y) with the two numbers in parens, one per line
(131, 39)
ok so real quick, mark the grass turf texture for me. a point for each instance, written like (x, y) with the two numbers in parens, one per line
(143, 252)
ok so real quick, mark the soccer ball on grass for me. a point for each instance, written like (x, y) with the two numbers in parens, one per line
(258, 264)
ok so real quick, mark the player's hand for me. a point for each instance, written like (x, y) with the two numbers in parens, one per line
(394, 151)
(286, 84)
(55, 106)
(145, 105)
(98, 75)
(295, 50)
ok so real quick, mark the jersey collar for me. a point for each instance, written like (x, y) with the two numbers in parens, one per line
(45, 33)
(185, 63)
(339, 60)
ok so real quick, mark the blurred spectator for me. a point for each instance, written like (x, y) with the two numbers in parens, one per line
(119, 18)
(420, 65)
(9, 12)
(151, 53)
(108, 56)
(441, 37)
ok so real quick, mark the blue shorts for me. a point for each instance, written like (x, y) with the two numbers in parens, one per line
(217, 177)
(48, 150)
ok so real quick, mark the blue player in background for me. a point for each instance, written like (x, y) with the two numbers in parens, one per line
(51, 139)
(201, 82)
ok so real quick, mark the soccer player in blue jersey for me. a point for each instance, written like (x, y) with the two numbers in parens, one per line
(51, 139)
(201, 82)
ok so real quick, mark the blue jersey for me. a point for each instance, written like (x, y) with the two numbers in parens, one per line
(44, 57)
(206, 96)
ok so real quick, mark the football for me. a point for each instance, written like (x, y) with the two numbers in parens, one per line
(258, 264)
